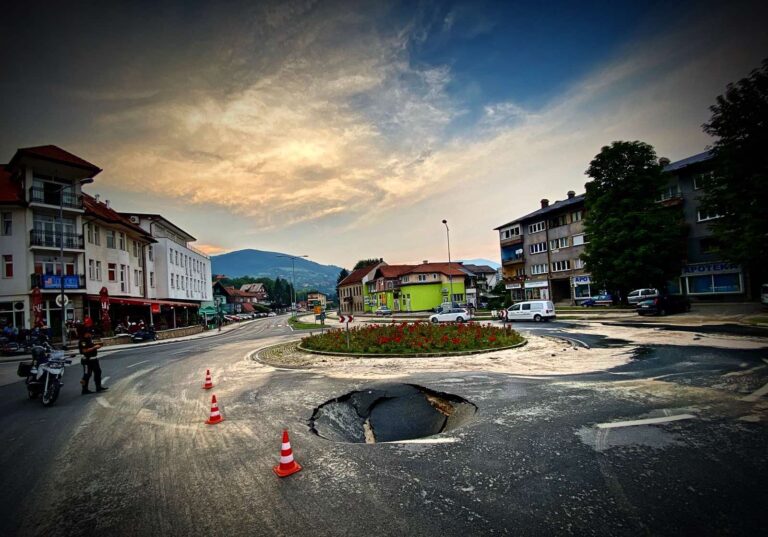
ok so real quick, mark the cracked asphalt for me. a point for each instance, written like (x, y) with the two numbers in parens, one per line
(600, 453)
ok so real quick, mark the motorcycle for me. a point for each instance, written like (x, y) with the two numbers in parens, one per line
(44, 373)
(144, 334)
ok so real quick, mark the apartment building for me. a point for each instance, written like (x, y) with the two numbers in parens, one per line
(41, 213)
(705, 275)
(182, 272)
(353, 292)
(540, 253)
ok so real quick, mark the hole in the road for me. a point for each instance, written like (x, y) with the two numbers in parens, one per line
(388, 412)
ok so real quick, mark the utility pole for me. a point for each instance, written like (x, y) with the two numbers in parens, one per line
(293, 259)
(450, 276)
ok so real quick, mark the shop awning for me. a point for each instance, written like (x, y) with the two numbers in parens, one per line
(145, 302)
(248, 307)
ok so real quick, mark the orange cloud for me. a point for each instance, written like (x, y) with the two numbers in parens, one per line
(210, 249)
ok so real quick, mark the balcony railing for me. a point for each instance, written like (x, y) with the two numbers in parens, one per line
(516, 239)
(51, 239)
(53, 281)
(66, 198)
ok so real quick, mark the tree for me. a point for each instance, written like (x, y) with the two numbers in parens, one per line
(633, 241)
(367, 262)
(738, 188)
(343, 274)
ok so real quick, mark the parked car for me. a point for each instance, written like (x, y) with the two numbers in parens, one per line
(531, 310)
(603, 299)
(383, 310)
(452, 315)
(764, 294)
(271, 314)
(639, 295)
(663, 305)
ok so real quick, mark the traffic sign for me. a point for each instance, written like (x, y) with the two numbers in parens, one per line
(58, 300)
(346, 318)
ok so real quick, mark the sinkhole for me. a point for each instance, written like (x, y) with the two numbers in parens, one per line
(387, 412)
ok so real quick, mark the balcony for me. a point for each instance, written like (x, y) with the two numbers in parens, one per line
(53, 281)
(55, 197)
(51, 239)
(517, 239)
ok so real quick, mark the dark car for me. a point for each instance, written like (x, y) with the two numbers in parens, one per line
(664, 305)
(383, 310)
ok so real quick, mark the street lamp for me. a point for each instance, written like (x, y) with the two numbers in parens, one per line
(293, 259)
(450, 276)
(86, 181)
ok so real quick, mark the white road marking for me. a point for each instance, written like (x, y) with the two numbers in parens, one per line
(647, 421)
(103, 402)
(138, 363)
(754, 396)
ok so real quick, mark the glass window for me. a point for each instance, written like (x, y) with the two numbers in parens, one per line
(110, 238)
(526, 307)
(7, 223)
(7, 266)
(726, 283)
(699, 284)
(96, 235)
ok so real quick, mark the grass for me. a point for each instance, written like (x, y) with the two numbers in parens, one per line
(298, 325)
(757, 320)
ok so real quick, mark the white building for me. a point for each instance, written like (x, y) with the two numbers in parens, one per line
(182, 272)
(35, 186)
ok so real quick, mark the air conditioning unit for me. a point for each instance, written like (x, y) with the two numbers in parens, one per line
(134, 219)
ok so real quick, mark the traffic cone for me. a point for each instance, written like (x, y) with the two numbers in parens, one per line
(208, 382)
(287, 465)
(216, 416)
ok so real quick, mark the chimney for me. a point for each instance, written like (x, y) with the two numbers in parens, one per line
(664, 161)
(425, 261)
(544, 203)
(571, 194)
(106, 202)
(96, 197)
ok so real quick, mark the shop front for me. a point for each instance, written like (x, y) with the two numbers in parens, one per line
(537, 290)
(582, 288)
(162, 314)
(713, 280)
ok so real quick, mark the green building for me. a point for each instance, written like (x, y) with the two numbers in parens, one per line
(416, 287)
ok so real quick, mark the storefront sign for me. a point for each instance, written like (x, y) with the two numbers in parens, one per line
(581, 280)
(512, 286)
(53, 281)
(533, 285)
(710, 268)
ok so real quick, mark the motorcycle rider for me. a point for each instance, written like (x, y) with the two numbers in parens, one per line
(90, 362)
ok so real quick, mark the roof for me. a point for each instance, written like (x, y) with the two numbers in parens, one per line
(155, 216)
(479, 269)
(356, 276)
(695, 159)
(55, 154)
(452, 269)
(253, 287)
(552, 207)
(10, 191)
(101, 211)
(393, 271)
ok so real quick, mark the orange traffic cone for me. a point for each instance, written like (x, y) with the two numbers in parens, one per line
(287, 465)
(216, 416)
(208, 382)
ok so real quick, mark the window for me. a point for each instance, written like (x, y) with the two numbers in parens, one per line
(510, 233)
(91, 269)
(714, 283)
(89, 233)
(98, 271)
(578, 263)
(538, 247)
(535, 228)
(96, 235)
(7, 266)
(111, 269)
(404, 279)
(135, 248)
(703, 216)
(152, 279)
(541, 268)
(136, 277)
(579, 240)
(121, 241)
(556, 244)
(176, 257)
(672, 191)
(708, 245)
(172, 286)
(7, 223)
(150, 252)
(110, 238)
(422, 277)
(124, 276)
(701, 180)
(560, 266)
(558, 221)
(577, 216)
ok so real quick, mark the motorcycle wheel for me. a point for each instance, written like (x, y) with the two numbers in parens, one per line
(51, 394)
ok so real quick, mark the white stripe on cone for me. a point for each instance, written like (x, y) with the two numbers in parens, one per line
(286, 445)
(286, 459)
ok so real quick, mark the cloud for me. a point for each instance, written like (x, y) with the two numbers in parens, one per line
(210, 249)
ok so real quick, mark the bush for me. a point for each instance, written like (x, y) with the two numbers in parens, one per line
(414, 338)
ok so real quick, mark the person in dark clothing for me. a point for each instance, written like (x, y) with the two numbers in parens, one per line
(90, 362)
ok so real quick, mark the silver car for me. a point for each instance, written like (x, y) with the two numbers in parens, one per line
(453, 315)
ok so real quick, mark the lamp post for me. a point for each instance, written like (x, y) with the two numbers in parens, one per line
(450, 276)
(82, 182)
(293, 259)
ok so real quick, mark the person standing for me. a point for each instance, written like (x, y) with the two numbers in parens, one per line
(90, 361)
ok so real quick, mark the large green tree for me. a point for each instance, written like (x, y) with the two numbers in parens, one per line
(633, 241)
(367, 262)
(342, 274)
(738, 188)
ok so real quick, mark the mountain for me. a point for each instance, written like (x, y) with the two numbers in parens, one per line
(492, 264)
(257, 263)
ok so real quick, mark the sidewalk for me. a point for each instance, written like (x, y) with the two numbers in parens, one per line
(114, 348)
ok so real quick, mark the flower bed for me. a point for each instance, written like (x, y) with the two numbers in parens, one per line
(414, 338)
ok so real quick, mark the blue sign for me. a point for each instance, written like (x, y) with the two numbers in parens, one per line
(710, 268)
(53, 281)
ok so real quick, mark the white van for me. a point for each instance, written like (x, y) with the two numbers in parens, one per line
(639, 295)
(531, 310)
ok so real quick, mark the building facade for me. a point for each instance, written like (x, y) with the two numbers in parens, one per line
(540, 253)
(353, 291)
(41, 213)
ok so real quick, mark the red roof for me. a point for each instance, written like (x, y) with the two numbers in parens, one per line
(356, 276)
(394, 271)
(57, 154)
(451, 269)
(107, 214)
(248, 307)
(10, 191)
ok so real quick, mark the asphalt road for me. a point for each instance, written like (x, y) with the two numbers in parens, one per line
(543, 456)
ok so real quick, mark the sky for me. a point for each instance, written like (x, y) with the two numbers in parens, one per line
(349, 130)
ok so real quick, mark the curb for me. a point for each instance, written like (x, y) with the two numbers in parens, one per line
(413, 355)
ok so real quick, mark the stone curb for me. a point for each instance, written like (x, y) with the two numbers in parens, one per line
(414, 355)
